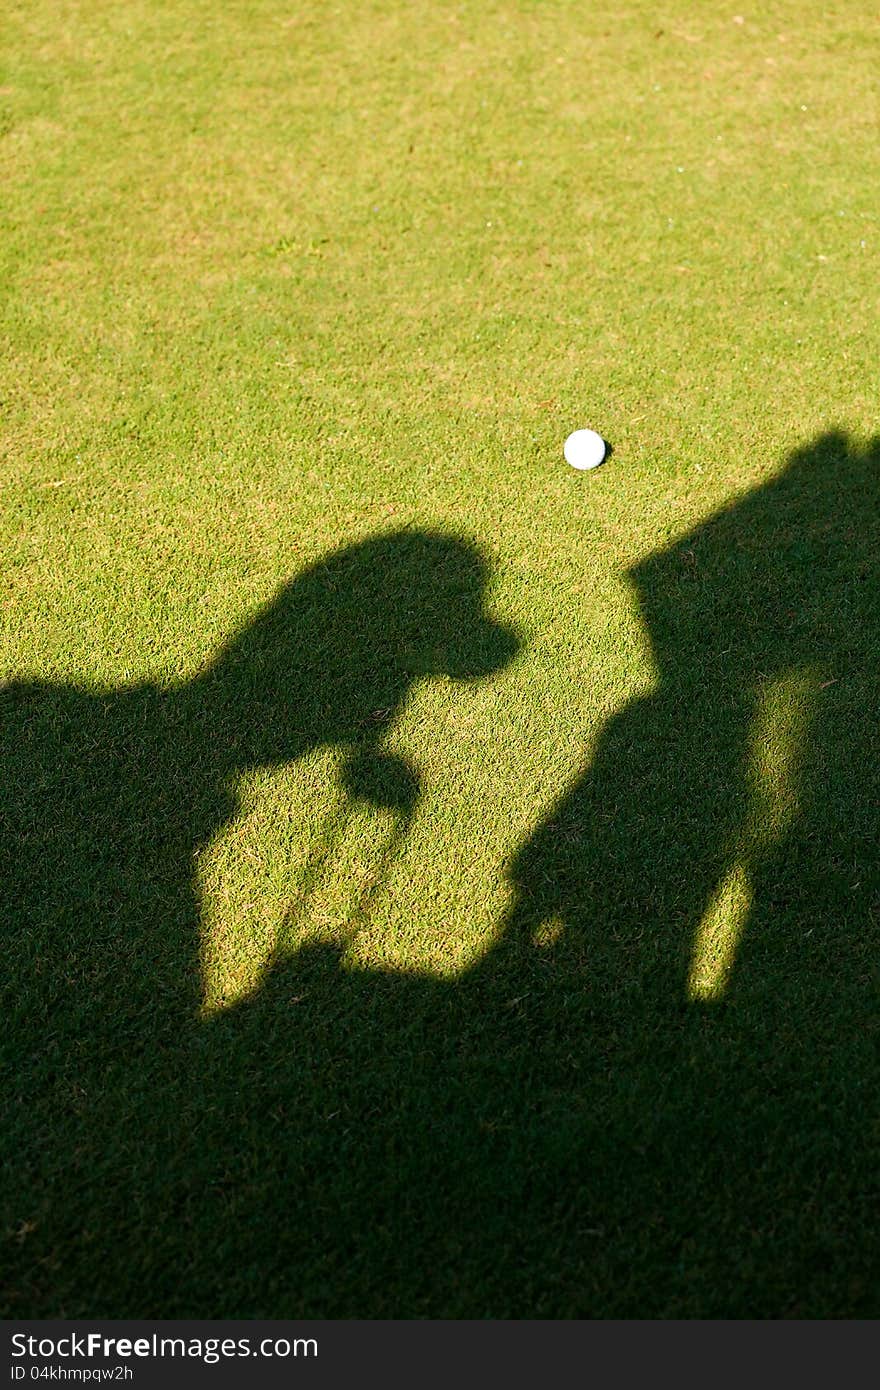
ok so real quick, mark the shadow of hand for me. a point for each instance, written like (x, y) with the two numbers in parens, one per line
(382, 779)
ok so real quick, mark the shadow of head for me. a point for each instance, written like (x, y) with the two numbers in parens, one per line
(331, 659)
(830, 480)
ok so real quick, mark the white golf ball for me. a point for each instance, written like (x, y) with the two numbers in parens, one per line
(584, 449)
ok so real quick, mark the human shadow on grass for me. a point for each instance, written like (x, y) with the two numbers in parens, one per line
(107, 800)
(711, 885)
(655, 1096)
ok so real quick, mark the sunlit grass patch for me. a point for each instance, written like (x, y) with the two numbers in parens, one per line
(780, 732)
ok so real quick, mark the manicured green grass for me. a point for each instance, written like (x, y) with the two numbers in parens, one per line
(436, 883)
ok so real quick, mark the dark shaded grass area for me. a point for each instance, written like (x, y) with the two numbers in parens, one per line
(561, 1132)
